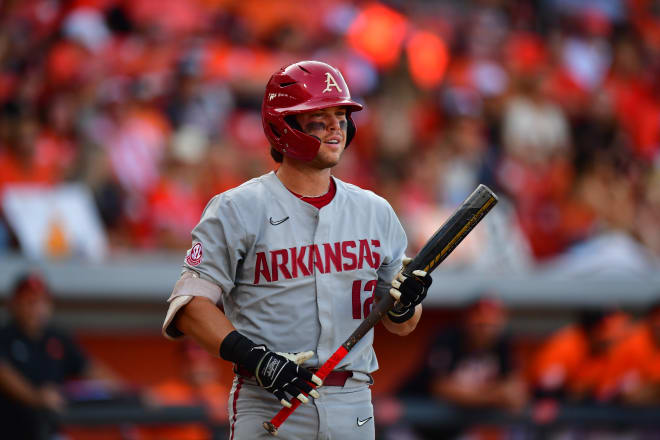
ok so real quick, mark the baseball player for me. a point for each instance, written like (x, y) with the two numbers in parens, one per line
(284, 267)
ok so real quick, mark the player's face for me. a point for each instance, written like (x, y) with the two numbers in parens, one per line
(32, 311)
(330, 126)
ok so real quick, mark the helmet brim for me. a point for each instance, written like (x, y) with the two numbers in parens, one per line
(319, 104)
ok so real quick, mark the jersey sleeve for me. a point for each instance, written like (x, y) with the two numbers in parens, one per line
(218, 244)
(395, 249)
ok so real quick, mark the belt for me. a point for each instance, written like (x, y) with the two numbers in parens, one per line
(334, 379)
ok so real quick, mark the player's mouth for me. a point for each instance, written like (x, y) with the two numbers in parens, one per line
(333, 140)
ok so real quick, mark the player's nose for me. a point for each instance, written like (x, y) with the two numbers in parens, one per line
(333, 122)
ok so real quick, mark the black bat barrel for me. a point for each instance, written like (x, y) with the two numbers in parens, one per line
(454, 230)
(436, 249)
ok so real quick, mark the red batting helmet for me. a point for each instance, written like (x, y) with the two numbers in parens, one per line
(299, 88)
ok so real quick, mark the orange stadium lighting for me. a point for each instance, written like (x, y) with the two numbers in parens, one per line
(378, 33)
(427, 59)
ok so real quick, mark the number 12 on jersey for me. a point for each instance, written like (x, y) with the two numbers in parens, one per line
(362, 310)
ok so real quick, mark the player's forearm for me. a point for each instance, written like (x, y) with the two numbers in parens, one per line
(17, 387)
(404, 328)
(205, 323)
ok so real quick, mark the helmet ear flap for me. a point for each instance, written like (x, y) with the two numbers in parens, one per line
(293, 123)
(274, 130)
(286, 136)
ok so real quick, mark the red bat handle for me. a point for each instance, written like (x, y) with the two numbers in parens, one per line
(322, 373)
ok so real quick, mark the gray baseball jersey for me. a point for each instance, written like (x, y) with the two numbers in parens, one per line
(295, 277)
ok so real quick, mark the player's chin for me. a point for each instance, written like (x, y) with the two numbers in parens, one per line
(324, 163)
(329, 157)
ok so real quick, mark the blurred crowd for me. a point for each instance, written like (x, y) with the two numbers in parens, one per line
(474, 364)
(604, 359)
(154, 105)
(38, 361)
(45, 372)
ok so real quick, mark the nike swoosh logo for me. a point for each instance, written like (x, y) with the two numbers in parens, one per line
(362, 422)
(277, 222)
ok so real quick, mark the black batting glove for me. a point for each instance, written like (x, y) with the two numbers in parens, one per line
(278, 373)
(408, 292)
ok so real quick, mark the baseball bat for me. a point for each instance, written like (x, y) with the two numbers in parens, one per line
(434, 252)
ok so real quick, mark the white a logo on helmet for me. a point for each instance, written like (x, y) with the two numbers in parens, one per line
(330, 83)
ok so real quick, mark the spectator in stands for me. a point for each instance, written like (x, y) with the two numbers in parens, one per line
(638, 361)
(199, 384)
(473, 364)
(582, 361)
(35, 361)
(18, 155)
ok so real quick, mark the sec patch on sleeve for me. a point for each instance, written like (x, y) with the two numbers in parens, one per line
(194, 256)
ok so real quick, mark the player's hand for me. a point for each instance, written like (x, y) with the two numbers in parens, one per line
(410, 291)
(50, 398)
(281, 373)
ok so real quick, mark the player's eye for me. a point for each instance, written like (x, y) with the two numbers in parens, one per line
(314, 126)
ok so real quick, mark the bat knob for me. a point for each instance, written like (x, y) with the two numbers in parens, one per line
(268, 426)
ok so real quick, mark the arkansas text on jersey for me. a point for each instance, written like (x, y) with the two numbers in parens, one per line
(301, 261)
